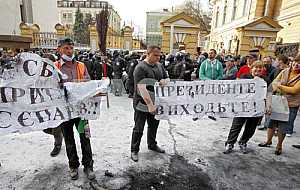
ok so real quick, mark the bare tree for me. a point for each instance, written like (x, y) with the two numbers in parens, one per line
(196, 9)
(102, 27)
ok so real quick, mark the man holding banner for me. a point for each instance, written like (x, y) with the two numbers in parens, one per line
(145, 73)
(75, 71)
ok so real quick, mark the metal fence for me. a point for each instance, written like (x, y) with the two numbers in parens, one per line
(49, 40)
(290, 49)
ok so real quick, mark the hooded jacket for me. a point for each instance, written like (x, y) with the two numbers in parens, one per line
(211, 70)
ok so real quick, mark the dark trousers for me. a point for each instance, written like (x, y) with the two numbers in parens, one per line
(57, 134)
(67, 130)
(236, 127)
(140, 119)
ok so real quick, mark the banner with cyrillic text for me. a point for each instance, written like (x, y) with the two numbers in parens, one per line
(220, 98)
(32, 97)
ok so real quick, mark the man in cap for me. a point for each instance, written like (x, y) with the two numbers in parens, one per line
(75, 71)
(230, 70)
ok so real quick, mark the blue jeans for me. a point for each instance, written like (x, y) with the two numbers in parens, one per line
(292, 117)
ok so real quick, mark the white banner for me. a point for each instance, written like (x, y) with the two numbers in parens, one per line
(32, 98)
(221, 98)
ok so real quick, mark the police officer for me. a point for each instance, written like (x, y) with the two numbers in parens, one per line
(89, 65)
(170, 64)
(189, 67)
(150, 68)
(118, 65)
(130, 84)
(102, 66)
(180, 66)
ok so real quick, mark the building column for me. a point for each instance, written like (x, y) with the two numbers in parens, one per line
(32, 31)
(60, 31)
(93, 38)
(171, 39)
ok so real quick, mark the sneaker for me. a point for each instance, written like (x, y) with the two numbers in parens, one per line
(289, 135)
(89, 173)
(55, 151)
(157, 149)
(243, 148)
(134, 156)
(74, 173)
(228, 149)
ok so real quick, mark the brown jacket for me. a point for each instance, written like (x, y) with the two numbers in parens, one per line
(290, 86)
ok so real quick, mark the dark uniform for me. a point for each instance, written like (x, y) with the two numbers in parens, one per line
(118, 67)
(188, 69)
(102, 69)
(130, 84)
(179, 70)
(142, 71)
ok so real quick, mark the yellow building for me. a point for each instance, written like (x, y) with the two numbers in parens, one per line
(114, 40)
(239, 26)
(181, 30)
(287, 13)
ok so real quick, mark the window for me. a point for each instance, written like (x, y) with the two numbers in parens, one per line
(224, 12)
(245, 7)
(76, 4)
(234, 10)
(22, 13)
(64, 16)
(217, 17)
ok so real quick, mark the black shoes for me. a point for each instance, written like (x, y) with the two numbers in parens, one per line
(134, 156)
(157, 149)
(264, 144)
(55, 151)
(296, 146)
(278, 151)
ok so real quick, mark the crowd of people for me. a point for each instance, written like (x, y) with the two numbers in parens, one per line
(282, 75)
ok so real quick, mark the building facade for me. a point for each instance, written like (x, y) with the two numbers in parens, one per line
(68, 8)
(123, 41)
(240, 26)
(281, 16)
(181, 30)
(13, 12)
(10, 17)
(287, 13)
(153, 27)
